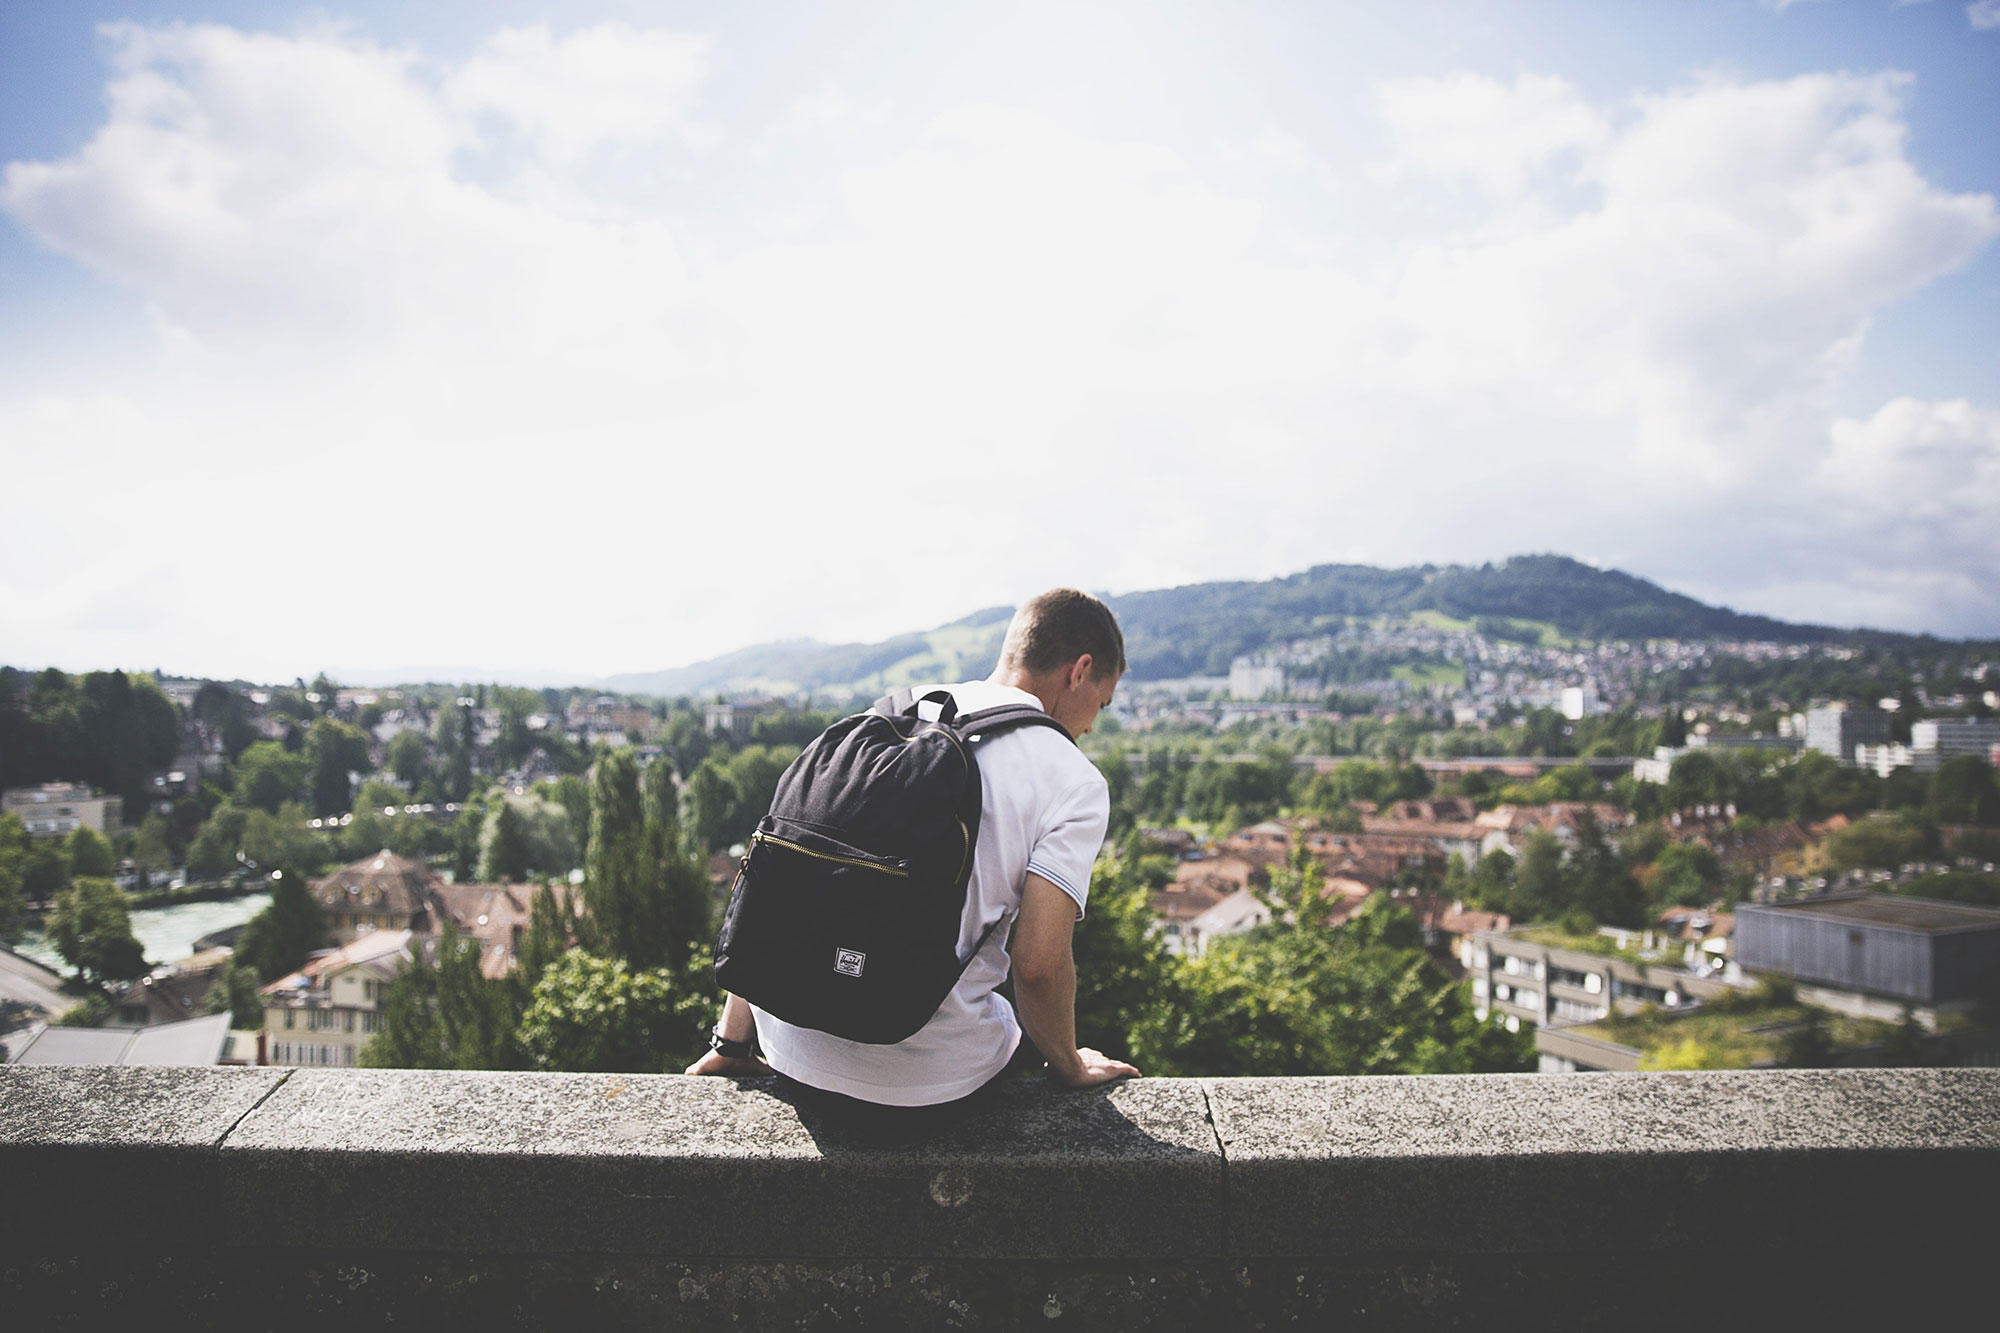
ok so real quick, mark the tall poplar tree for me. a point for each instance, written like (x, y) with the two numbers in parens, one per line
(685, 906)
(615, 878)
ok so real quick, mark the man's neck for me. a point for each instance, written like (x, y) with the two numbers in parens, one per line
(1041, 687)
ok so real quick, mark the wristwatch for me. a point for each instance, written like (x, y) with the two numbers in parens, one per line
(734, 1050)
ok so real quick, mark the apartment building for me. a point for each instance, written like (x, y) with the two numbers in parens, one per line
(1932, 742)
(56, 809)
(324, 1013)
(1538, 975)
(1837, 729)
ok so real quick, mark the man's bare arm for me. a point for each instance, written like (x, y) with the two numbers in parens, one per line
(1045, 987)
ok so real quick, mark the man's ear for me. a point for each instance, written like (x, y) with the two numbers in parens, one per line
(1079, 670)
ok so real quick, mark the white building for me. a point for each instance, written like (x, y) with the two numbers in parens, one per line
(1837, 729)
(1254, 678)
(1933, 741)
(1581, 701)
(55, 809)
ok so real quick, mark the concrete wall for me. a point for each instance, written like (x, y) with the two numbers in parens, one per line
(261, 1198)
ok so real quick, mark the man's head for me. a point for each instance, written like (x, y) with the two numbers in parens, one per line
(1065, 648)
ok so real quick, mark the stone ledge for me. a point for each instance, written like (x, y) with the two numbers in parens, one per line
(80, 1144)
(1538, 1163)
(1632, 1293)
(661, 1164)
(1408, 1170)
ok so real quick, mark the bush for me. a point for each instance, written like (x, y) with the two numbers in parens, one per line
(94, 1012)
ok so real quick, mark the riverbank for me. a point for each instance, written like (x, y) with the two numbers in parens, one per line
(166, 934)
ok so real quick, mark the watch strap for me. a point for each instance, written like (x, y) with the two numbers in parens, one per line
(733, 1050)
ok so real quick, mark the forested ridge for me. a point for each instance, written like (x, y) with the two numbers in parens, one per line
(1198, 629)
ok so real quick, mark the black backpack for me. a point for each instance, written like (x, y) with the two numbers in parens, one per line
(845, 914)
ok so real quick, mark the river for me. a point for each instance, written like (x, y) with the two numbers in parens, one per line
(166, 933)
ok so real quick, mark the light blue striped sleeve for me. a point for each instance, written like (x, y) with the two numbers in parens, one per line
(1069, 843)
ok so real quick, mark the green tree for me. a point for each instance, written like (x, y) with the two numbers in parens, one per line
(235, 993)
(1686, 874)
(44, 869)
(753, 778)
(408, 758)
(277, 940)
(443, 1012)
(334, 750)
(153, 845)
(1297, 885)
(547, 939)
(281, 839)
(707, 803)
(94, 1011)
(91, 927)
(1123, 969)
(597, 1014)
(680, 909)
(1598, 881)
(639, 889)
(89, 853)
(1879, 842)
(1539, 891)
(374, 827)
(13, 862)
(515, 707)
(213, 851)
(1963, 792)
(1363, 998)
(267, 776)
(467, 839)
(506, 854)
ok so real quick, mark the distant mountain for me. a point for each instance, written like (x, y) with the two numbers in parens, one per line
(1198, 629)
(963, 649)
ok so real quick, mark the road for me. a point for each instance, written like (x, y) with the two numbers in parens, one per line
(27, 982)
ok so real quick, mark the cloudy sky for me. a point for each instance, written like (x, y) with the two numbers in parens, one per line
(506, 338)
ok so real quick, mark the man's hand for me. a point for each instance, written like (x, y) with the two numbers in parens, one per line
(1093, 1069)
(715, 1062)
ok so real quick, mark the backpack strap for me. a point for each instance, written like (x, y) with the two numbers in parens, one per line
(989, 722)
(903, 703)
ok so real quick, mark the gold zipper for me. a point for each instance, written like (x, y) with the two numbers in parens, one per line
(964, 834)
(788, 845)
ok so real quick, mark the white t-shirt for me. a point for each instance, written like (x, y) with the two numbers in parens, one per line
(1043, 807)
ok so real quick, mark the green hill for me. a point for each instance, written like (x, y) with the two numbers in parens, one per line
(1198, 629)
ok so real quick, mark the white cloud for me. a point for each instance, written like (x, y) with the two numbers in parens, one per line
(1983, 14)
(545, 424)
(1920, 461)
(603, 85)
(1469, 125)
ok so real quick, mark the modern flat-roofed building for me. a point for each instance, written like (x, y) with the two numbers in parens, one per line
(1949, 737)
(1873, 955)
(1836, 729)
(55, 809)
